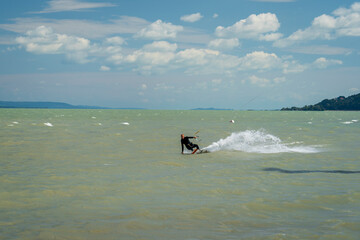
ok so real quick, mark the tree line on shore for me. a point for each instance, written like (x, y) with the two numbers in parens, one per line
(341, 103)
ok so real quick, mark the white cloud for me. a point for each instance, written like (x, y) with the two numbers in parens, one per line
(154, 57)
(224, 44)
(260, 60)
(292, 66)
(117, 58)
(194, 56)
(345, 22)
(159, 30)
(270, 37)
(324, 63)
(264, 82)
(215, 15)
(115, 41)
(321, 49)
(163, 56)
(192, 17)
(104, 68)
(150, 59)
(279, 79)
(72, 5)
(254, 27)
(85, 28)
(43, 40)
(161, 46)
(163, 87)
(352, 90)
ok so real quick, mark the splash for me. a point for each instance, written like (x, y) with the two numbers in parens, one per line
(253, 141)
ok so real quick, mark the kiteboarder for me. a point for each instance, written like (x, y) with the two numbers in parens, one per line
(189, 145)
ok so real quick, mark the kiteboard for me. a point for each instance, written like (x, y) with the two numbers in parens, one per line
(200, 151)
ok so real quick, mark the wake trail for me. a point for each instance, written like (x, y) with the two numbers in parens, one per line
(257, 141)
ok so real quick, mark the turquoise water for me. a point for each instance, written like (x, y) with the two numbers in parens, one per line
(119, 174)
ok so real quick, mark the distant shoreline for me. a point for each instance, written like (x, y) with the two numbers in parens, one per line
(351, 103)
(341, 103)
(50, 105)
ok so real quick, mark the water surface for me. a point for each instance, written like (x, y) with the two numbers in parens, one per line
(119, 174)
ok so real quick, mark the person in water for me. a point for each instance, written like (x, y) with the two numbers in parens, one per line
(189, 145)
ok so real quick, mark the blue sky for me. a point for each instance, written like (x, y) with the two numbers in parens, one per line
(239, 54)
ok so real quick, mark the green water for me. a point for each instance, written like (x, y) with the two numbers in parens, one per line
(280, 175)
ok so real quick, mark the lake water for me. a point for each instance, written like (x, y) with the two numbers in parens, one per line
(120, 174)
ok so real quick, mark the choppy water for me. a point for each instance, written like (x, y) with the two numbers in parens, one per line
(119, 174)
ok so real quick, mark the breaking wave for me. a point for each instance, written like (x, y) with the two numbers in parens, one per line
(253, 141)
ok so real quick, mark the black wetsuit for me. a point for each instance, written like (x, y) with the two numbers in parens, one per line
(189, 145)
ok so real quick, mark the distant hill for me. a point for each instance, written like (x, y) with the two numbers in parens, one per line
(351, 103)
(53, 105)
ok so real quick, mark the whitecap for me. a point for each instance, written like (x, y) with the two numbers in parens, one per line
(125, 123)
(354, 120)
(15, 122)
(48, 124)
(347, 122)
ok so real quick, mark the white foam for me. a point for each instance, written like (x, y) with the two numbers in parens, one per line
(348, 122)
(15, 122)
(257, 142)
(354, 120)
(48, 124)
(125, 123)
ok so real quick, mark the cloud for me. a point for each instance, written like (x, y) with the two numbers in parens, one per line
(321, 49)
(162, 56)
(292, 66)
(215, 15)
(253, 27)
(264, 82)
(224, 44)
(84, 28)
(260, 60)
(191, 18)
(43, 40)
(72, 5)
(159, 30)
(343, 23)
(154, 57)
(104, 68)
(270, 37)
(324, 63)
(161, 46)
(115, 41)
(352, 90)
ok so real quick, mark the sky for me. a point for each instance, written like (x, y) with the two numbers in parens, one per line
(161, 54)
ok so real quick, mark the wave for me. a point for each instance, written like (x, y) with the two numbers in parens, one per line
(257, 141)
